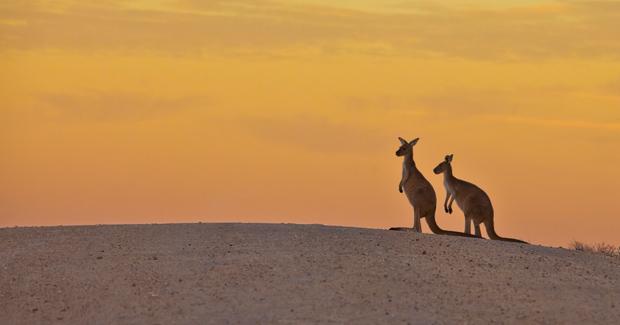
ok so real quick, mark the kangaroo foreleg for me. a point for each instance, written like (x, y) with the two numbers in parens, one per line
(445, 202)
(449, 208)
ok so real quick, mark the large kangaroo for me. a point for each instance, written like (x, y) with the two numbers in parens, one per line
(474, 202)
(420, 192)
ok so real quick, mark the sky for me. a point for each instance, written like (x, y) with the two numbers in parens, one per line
(115, 112)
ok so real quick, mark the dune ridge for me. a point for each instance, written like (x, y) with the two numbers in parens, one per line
(287, 273)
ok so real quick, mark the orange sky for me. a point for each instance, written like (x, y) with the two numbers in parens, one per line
(270, 111)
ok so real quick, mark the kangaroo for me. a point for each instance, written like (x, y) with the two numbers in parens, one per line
(474, 202)
(420, 192)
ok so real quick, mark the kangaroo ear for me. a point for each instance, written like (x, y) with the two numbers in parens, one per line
(414, 141)
(449, 158)
(402, 141)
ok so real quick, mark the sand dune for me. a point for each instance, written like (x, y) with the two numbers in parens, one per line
(267, 273)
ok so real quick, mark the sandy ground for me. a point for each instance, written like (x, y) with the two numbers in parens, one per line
(265, 273)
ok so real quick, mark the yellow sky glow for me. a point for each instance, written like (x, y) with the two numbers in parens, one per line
(274, 111)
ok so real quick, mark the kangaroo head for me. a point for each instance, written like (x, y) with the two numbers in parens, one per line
(406, 147)
(444, 165)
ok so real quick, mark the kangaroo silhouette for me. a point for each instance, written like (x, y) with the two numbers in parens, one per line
(474, 202)
(420, 193)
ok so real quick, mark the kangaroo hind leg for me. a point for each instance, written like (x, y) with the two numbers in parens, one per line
(417, 225)
(477, 229)
(467, 225)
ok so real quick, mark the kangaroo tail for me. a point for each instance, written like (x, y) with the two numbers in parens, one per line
(437, 230)
(493, 235)
(401, 229)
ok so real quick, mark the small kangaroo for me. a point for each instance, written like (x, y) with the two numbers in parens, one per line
(474, 202)
(420, 192)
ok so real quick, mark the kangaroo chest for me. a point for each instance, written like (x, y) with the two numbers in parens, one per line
(414, 180)
(409, 173)
(449, 187)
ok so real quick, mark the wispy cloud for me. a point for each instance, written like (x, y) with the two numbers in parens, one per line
(564, 29)
(563, 123)
(612, 88)
(560, 107)
(315, 133)
(104, 107)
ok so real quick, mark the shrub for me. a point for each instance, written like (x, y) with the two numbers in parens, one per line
(600, 248)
